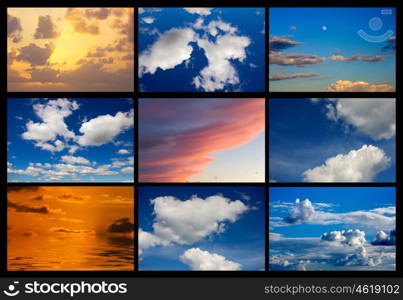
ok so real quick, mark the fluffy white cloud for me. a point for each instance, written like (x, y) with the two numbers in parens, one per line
(198, 259)
(358, 86)
(75, 160)
(189, 221)
(220, 71)
(373, 117)
(148, 20)
(171, 49)
(384, 239)
(203, 11)
(360, 165)
(105, 128)
(353, 238)
(302, 211)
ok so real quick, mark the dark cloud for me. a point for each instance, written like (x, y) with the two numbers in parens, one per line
(36, 198)
(76, 17)
(281, 76)
(383, 239)
(390, 44)
(279, 43)
(23, 188)
(121, 226)
(28, 209)
(46, 29)
(66, 230)
(34, 54)
(98, 13)
(14, 28)
(294, 59)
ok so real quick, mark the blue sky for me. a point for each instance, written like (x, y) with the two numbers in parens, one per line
(332, 140)
(220, 220)
(65, 140)
(352, 217)
(340, 59)
(201, 49)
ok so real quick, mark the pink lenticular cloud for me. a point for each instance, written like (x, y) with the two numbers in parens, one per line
(177, 137)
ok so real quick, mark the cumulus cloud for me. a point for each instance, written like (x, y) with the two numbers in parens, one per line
(361, 165)
(76, 16)
(198, 259)
(373, 117)
(383, 239)
(353, 238)
(105, 128)
(203, 11)
(281, 76)
(46, 28)
(121, 226)
(35, 55)
(52, 115)
(220, 72)
(302, 211)
(14, 28)
(123, 151)
(189, 221)
(75, 160)
(171, 49)
(358, 86)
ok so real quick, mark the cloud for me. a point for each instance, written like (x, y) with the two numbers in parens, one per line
(203, 11)
(14, 28)
(361, 165)
(46, 28)
(373, 117)
(390, 44)
(75, 160)
(201, 260)
(34, 54)
(103, 129)
(76, 16)
(171, 49)
(123, 151)
(181, 150)
(357, 57)
(71, 231)
(353, 238)
(303, 211)
(29, 209)
(358, 86)
(121, 226)
(97, 13)
(189, 221)
(220, 72)
(52, 115)
(71, 198)
(148, 20)
(279, 43)
(294, 59)
(383, 239)
(281, 76)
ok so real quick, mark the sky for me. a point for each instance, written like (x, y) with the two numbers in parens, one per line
(332, 49)
(201, 49)
(70, 228)
(201, 140)
(70, 49)
(332, 228)
(332, 140)
(70, 140)
(214, 228)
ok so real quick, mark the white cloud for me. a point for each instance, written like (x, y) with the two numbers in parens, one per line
(75, 160)
(384, 239)
(171, 49)
(203, 11)
(189, 221)
(52, 115)
(148, 20)
(361, 165)
(123, 151)
(358, 86)
(353, 238)
(220, 71)
(302, 211)
(127, 170)
(103, 129)
(373, 117)
(198, 259)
